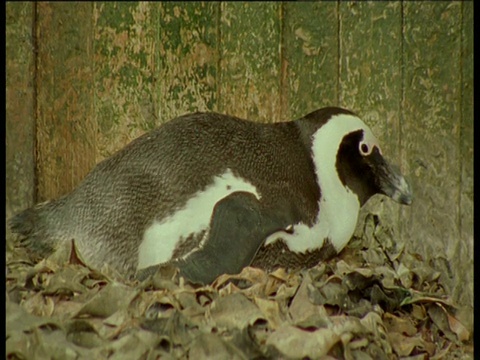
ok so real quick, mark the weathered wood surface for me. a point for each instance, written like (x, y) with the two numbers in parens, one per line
(187, 46)
(65, 121)
(250, 60)
(431, 132)
(108, 72)
(464, 243)
(20, 117)
(124, 75)
(309, 57)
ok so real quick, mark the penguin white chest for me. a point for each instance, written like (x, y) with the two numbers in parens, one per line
(162, 237)
(336, 221)
(338, 206)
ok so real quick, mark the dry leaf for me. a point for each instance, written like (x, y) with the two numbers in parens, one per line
(455, 325)
(253, 314)
(404, 345)
(292, 342)
(210, 346)
(234, 311)
(270, 311)
(397, 324)
(301, 308)
(39, 305)
(107, 301)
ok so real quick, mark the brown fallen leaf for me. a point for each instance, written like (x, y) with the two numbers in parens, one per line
(421, 297)
(301, 307)
(19, 320)
(456, 326)
(107, 301)
(187, 301)
(248, 275)
(404, 345)
(440, 319)
(39, 305)
(397, 324)
(83, 333)
(55, 345)
(66, 308)
(133, 345)
(211, 346)
(67, 280)
(114, 324)
(292, 342)
(374, 324)
(234, 311)
(271, 311)
(177, 328)
(247, 315)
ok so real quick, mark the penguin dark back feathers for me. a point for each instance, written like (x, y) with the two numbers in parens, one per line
(214, 193)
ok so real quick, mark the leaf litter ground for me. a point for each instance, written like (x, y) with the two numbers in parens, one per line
(374, 301)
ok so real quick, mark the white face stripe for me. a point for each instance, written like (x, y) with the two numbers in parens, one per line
(161, 238)
(338, 205)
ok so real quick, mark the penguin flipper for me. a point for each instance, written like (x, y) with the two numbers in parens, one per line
(238, 227)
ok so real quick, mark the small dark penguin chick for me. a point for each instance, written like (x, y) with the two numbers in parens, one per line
(214, 193)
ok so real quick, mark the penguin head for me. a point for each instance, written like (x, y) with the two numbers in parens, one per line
(363, 169)
(344, 148)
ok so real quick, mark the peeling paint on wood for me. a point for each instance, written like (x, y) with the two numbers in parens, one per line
(250, 60)
(20, 122)
(463, 254)
(65, 128)
(124, 72)
(187, 58)
(431, 127)
(310, 57)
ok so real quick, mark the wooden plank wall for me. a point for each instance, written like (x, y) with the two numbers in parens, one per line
(20, 108)
(83, 79)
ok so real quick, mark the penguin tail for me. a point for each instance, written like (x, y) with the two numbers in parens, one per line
(34, 228)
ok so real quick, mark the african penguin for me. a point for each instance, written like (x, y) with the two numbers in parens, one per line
(214, 193)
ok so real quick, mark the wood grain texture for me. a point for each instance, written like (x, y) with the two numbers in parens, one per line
(309, 57)
(124, 47)
(250, 60)
(464, 246)
(20, 120)
(430, 130)
(370, 64)
(187, 58)
(65, 127)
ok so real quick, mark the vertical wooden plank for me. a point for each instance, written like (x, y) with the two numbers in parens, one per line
(20, 121)
(124, 72)
(465, 244)
(430, 131)
(65, 127)
(250, 60)
(309, 57)
(370, 65)
(187, 58)
(370, 83)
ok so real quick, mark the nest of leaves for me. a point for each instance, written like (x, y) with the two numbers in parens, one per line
(374, 301)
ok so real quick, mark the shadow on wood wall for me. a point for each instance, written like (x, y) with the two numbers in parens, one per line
(83, 79)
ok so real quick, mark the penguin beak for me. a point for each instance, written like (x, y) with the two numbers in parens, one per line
(389, 179)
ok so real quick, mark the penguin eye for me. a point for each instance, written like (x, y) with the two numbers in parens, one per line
(364, 149)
